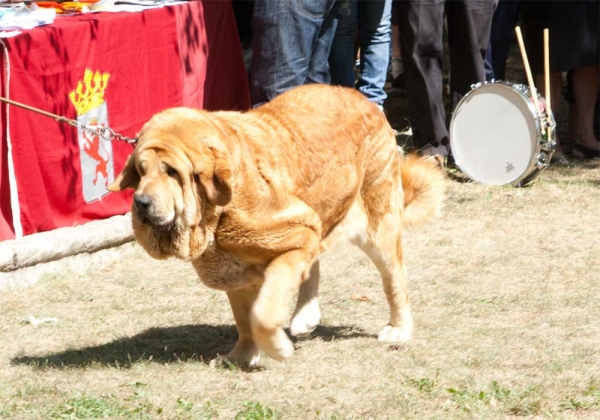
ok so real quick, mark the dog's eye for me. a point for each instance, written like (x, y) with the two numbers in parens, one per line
(170, 171)
(142, 167)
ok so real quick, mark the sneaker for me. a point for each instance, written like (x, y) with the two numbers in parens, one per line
(429, 150)
(406, 132)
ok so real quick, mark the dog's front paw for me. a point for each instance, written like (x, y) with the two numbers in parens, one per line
(275, 344)
(395, 334)
(245, 354)
(306, 319)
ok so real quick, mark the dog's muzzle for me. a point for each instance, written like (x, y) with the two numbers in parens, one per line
(143, 206)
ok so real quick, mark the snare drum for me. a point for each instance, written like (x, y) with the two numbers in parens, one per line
(496, 134)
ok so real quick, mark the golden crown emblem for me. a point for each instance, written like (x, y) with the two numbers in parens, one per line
(90, 91)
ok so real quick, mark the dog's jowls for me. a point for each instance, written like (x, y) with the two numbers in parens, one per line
(252, 199)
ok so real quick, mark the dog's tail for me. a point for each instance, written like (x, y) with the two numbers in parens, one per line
(424, 185)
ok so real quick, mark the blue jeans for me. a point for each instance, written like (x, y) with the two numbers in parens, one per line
(374, 20)
(291, 43)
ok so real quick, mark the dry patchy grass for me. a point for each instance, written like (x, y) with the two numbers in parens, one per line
(505, 296)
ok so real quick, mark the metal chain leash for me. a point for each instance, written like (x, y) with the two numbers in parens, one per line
(105, 133)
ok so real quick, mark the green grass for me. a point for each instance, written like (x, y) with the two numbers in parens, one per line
(102, 407)
(255, 411)
(495, 397)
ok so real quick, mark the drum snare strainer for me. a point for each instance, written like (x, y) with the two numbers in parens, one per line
(496, 134)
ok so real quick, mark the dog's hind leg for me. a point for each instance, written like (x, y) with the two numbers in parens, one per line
(245, 353)
(384, 248)
(270, 311)
(307, 314)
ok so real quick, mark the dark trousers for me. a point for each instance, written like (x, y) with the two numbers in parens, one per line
(421, 25)
(503, 32)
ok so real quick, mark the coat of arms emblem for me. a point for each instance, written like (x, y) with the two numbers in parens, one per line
(96, 155)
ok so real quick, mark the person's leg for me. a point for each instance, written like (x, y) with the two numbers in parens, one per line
(318, 69)
(585, 87)
(487, 60)
(396, 67)
(567, 144)
(597, 119)
(396, 50)
(469, 24)
(375, 28)
(420, 24)
(396, 60)
(286, 36)
(503, 29)
(341, 56)
(487, 63)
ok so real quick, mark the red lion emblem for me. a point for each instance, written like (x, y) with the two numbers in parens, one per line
(93, 147)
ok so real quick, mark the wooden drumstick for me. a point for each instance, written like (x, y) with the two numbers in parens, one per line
(528, 72)
(547, 72)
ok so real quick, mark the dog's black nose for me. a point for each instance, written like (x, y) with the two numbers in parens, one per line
(142, 201)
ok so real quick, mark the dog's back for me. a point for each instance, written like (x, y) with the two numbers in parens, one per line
(319, 141)
(333, 147)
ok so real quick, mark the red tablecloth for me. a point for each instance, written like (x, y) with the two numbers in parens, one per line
(115, 69)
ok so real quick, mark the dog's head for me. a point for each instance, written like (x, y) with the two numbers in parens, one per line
(182, 175)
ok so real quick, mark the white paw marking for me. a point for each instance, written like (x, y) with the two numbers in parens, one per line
(278, 346)
(395, 334)
(307, 319)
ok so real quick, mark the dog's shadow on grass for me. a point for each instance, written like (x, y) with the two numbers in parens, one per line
(187, 343)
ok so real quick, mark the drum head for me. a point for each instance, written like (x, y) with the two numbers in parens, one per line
(493, 134)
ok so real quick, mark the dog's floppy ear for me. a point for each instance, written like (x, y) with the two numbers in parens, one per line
(217, 183)
(128, 178)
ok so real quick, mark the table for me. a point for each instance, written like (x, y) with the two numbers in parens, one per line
(104, 69)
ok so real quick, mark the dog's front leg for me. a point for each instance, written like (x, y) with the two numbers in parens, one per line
(269, 314)
(246, 352)
(307, 314)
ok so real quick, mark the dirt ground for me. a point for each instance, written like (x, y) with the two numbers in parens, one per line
(505, 296)
(505, 293)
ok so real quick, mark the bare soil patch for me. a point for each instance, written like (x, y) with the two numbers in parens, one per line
(505, 296)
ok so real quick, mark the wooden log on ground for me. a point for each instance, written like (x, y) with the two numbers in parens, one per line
(64, 242)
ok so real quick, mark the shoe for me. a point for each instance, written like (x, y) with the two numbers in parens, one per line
(586, 152)
(567, 147)
(395, 68)
(399, 82)
(559, 159)
(407, 132)
(429, 150)
(397, 87)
